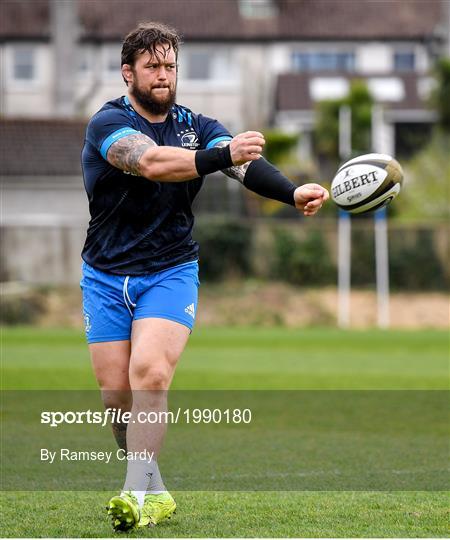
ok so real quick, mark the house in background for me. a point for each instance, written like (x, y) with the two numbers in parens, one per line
(249, 63)
(44, 207)
(246, 62)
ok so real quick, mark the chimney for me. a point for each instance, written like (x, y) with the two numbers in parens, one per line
(64, 32)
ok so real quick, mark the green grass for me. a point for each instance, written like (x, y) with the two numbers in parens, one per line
(239, 358)
(228, 358)
(257, 514)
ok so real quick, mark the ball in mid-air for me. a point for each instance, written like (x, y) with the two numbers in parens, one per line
(367, 183)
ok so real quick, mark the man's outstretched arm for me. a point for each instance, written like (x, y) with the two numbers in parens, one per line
(138, 154)
(263, 178)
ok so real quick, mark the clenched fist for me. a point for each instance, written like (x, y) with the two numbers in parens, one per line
(309, 198)
(246, 146)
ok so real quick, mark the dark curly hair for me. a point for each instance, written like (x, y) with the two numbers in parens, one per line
(146, 37)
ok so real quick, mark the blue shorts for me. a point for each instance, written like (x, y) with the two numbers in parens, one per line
(112, 302)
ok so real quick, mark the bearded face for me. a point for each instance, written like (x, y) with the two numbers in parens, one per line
(157, 99)
(153, 80)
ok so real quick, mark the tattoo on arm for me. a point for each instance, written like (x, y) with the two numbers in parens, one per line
(127, 151)
(237, 172)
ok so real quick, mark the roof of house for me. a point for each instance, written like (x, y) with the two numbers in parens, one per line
(295, 91)
(41, 147)
(222, 19)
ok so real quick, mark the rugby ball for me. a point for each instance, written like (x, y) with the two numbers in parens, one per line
(367, 183)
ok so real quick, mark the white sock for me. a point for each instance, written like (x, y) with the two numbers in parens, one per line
(156, 484)
(140, 496)
(138, 477)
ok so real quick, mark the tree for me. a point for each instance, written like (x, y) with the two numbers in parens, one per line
(280, 146)
(327, 128)
(426, 193)
(441, 95)
(426, 190)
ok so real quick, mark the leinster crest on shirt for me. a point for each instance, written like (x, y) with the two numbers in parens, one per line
(188, 139)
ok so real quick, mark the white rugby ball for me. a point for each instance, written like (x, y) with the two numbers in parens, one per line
(367, 183)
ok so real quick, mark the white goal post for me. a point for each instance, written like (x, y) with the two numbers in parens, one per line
(383, 143)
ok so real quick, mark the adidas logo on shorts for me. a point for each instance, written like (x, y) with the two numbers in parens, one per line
(190, 310)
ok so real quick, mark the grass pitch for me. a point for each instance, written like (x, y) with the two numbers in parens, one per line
(227, 358)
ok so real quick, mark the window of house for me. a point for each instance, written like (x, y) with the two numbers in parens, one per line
(199, 65)
(24, 64)
(257, 9)
(404, 61)
(112, 63)
(323, 61)
(208, 64)
(84, 60)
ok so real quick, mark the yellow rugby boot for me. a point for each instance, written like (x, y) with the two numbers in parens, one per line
(124, 511)
(156, 508)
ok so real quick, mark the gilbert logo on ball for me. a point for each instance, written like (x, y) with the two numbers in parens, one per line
(367, 183)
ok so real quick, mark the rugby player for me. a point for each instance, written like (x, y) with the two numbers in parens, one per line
(144, 161)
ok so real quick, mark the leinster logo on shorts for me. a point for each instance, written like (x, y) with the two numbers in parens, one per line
(87, 323)
(189, 139)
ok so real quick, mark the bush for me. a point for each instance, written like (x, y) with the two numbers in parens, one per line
(441, 95)
(363, 256)
(414, 263)
(24, 308)
(305, 262)
(327, 128)
(279, 146)
(425, 193)
(225, 249)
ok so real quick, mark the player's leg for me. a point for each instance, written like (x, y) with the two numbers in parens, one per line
(156, 347)
(157, 344)
(110, 362)
(108, 319)
(164, 317)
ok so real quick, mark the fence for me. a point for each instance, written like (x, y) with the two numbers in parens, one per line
(302, 252)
